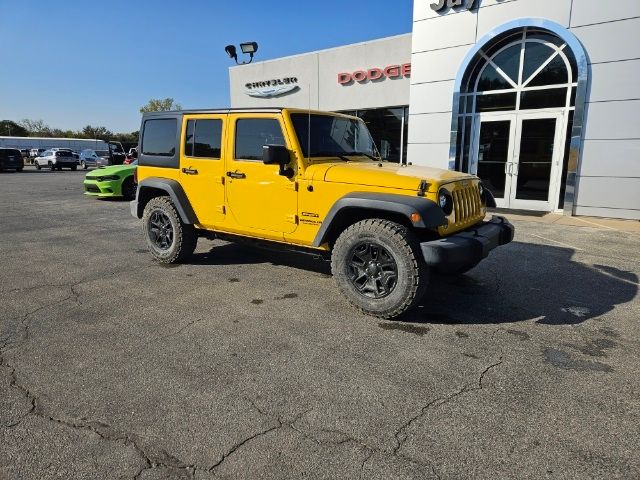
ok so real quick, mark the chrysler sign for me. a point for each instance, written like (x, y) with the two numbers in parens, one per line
(375, 74)
(272, 88)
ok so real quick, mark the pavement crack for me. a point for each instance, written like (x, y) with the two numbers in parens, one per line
(401, 434)
(240, 444)
(13, 383)
(152, 458)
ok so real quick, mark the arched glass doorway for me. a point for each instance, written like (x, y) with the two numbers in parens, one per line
(517, 100)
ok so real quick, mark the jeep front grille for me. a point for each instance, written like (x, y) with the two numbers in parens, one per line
(467, 204)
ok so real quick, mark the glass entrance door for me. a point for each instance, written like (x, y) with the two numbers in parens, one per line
(536, 164)
(494, 140)
(518, 158)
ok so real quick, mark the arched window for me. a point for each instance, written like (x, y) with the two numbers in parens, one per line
(531, 69)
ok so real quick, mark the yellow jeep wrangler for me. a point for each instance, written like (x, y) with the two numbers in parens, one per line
(315, 181)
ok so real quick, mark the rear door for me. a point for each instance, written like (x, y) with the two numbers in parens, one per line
(202, 167)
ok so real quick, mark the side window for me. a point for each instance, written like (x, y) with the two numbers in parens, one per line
(254, 133)
(203, 138)
(159, 138)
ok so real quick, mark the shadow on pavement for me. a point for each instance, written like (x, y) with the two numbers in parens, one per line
(520, 282)
(528, 282)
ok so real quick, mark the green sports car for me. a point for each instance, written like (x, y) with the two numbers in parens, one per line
(112, 181)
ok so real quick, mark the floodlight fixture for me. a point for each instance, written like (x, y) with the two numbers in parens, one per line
(248, 48)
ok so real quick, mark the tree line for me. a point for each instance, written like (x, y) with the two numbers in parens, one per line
(38, 128)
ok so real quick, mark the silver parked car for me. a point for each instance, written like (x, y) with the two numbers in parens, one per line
(94, 158)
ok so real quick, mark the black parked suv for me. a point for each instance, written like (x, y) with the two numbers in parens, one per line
(11, 158)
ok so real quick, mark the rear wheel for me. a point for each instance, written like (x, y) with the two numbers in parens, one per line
(19, 169)
(83, 165)
(74, 167)
(52, 167)
(378, 266)
(169, 239)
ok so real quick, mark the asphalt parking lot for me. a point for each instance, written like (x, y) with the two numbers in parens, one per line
(247, 363)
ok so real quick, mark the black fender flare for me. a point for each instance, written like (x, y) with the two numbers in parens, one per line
(431, 215)
(173, 189)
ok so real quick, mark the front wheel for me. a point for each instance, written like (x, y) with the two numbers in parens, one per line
(128, 188)
(83, 165)
(169, 239)
(38, 167)
(378, 266)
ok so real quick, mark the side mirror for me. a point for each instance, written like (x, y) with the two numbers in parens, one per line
(275, 155)
(278, 155)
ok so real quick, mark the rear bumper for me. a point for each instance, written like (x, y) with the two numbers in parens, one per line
(468, 247)
(66, 163)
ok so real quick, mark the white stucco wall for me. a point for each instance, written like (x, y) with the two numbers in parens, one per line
(608, 182)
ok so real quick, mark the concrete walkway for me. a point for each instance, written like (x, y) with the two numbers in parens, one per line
(629, 226)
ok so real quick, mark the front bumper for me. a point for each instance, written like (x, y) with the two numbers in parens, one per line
(468, 247)
(110, 188)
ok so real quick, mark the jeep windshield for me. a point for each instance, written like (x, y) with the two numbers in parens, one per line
(333, 136)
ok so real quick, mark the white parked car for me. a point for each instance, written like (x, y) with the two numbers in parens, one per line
(56, 159)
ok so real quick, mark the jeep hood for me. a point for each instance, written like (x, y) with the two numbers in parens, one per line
(390, 175)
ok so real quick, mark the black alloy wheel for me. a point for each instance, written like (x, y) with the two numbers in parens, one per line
(160, 230)
(169, 238)
(374, 272)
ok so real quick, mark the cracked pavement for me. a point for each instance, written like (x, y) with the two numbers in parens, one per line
(247, 363)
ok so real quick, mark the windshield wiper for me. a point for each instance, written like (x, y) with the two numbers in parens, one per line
(368, 155)
(329, 154)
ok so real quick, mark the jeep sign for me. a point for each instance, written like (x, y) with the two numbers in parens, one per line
(444, 4)
(375, 74)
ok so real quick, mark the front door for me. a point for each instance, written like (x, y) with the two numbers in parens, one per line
(259, 199)
(202, 167)
(518, 157)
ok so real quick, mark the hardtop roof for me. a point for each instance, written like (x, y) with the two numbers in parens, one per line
(225, 111)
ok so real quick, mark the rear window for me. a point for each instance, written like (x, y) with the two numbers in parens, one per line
(159, 138)
(203, 138)
(63, 153)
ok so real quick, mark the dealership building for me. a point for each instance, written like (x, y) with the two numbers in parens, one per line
(539, 98)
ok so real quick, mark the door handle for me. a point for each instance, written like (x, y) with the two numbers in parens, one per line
(190, 171)
(236, 175)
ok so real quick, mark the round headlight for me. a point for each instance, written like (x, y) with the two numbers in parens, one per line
(446, 202)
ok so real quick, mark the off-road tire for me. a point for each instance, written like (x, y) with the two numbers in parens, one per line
(128, 188)
(401, 244)
(184, 237)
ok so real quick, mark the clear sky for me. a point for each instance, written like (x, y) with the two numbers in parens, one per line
(73, 63)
